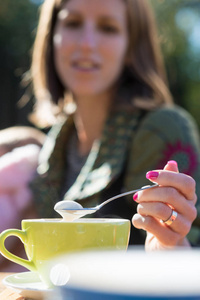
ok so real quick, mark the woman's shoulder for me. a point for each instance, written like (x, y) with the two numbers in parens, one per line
(168, 125)
(169, 113)
(169, 118)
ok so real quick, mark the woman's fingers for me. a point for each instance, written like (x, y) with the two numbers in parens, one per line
(178, 181)
(167, 196)
(161, 211)
(176, 191)
(153, 226)
(171, 166)
(158, 210)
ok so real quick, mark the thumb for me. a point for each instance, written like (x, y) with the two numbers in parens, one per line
(171, 166)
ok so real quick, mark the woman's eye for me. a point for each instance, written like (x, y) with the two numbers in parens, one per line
(73, 24)
(109, 28)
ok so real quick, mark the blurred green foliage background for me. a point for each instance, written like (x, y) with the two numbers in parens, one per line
(179, 31)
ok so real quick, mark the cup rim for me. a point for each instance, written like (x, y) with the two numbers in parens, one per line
(78, 221)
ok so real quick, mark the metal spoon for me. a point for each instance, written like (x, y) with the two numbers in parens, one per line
(71, 210)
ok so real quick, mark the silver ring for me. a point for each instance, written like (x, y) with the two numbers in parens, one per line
(171, 219)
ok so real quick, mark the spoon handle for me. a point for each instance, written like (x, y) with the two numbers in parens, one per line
(127, 193)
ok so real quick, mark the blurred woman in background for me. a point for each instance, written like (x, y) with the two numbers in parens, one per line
(100, 82)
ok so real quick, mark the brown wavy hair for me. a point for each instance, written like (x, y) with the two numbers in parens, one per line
(142, 83)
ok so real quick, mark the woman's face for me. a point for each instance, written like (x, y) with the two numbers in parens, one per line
(90, 44)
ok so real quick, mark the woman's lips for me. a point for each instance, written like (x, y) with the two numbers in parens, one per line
(85, 65)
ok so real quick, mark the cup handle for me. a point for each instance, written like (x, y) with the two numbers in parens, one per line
(14, 258)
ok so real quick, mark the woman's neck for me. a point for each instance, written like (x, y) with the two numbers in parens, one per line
(90, 118)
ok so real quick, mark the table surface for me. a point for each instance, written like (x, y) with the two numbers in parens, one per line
(6, 293)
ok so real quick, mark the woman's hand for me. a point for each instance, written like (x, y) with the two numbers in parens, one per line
(176, 192)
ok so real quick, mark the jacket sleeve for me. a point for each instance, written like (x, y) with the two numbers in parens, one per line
(163, 135)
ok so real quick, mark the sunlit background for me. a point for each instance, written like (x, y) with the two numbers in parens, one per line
(179, 31)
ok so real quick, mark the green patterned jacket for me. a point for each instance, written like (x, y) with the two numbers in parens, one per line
(132, 144)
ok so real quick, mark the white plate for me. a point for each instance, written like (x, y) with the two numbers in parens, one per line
(135, 272)
(28, 285)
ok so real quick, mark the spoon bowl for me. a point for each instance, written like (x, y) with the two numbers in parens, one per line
(72, 210)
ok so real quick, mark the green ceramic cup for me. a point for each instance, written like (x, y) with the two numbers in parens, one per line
(45, 239)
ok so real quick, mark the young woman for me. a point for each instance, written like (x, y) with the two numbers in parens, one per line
(99, 78)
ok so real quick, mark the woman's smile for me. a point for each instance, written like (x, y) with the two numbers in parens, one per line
(84, 65)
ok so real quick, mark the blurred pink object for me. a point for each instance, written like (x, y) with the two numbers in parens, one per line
(17, 169)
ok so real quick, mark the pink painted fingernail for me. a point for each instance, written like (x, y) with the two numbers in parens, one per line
(172, 162)
(135, 196)
(152, 175)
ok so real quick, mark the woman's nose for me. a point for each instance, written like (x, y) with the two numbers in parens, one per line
(88, 37)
